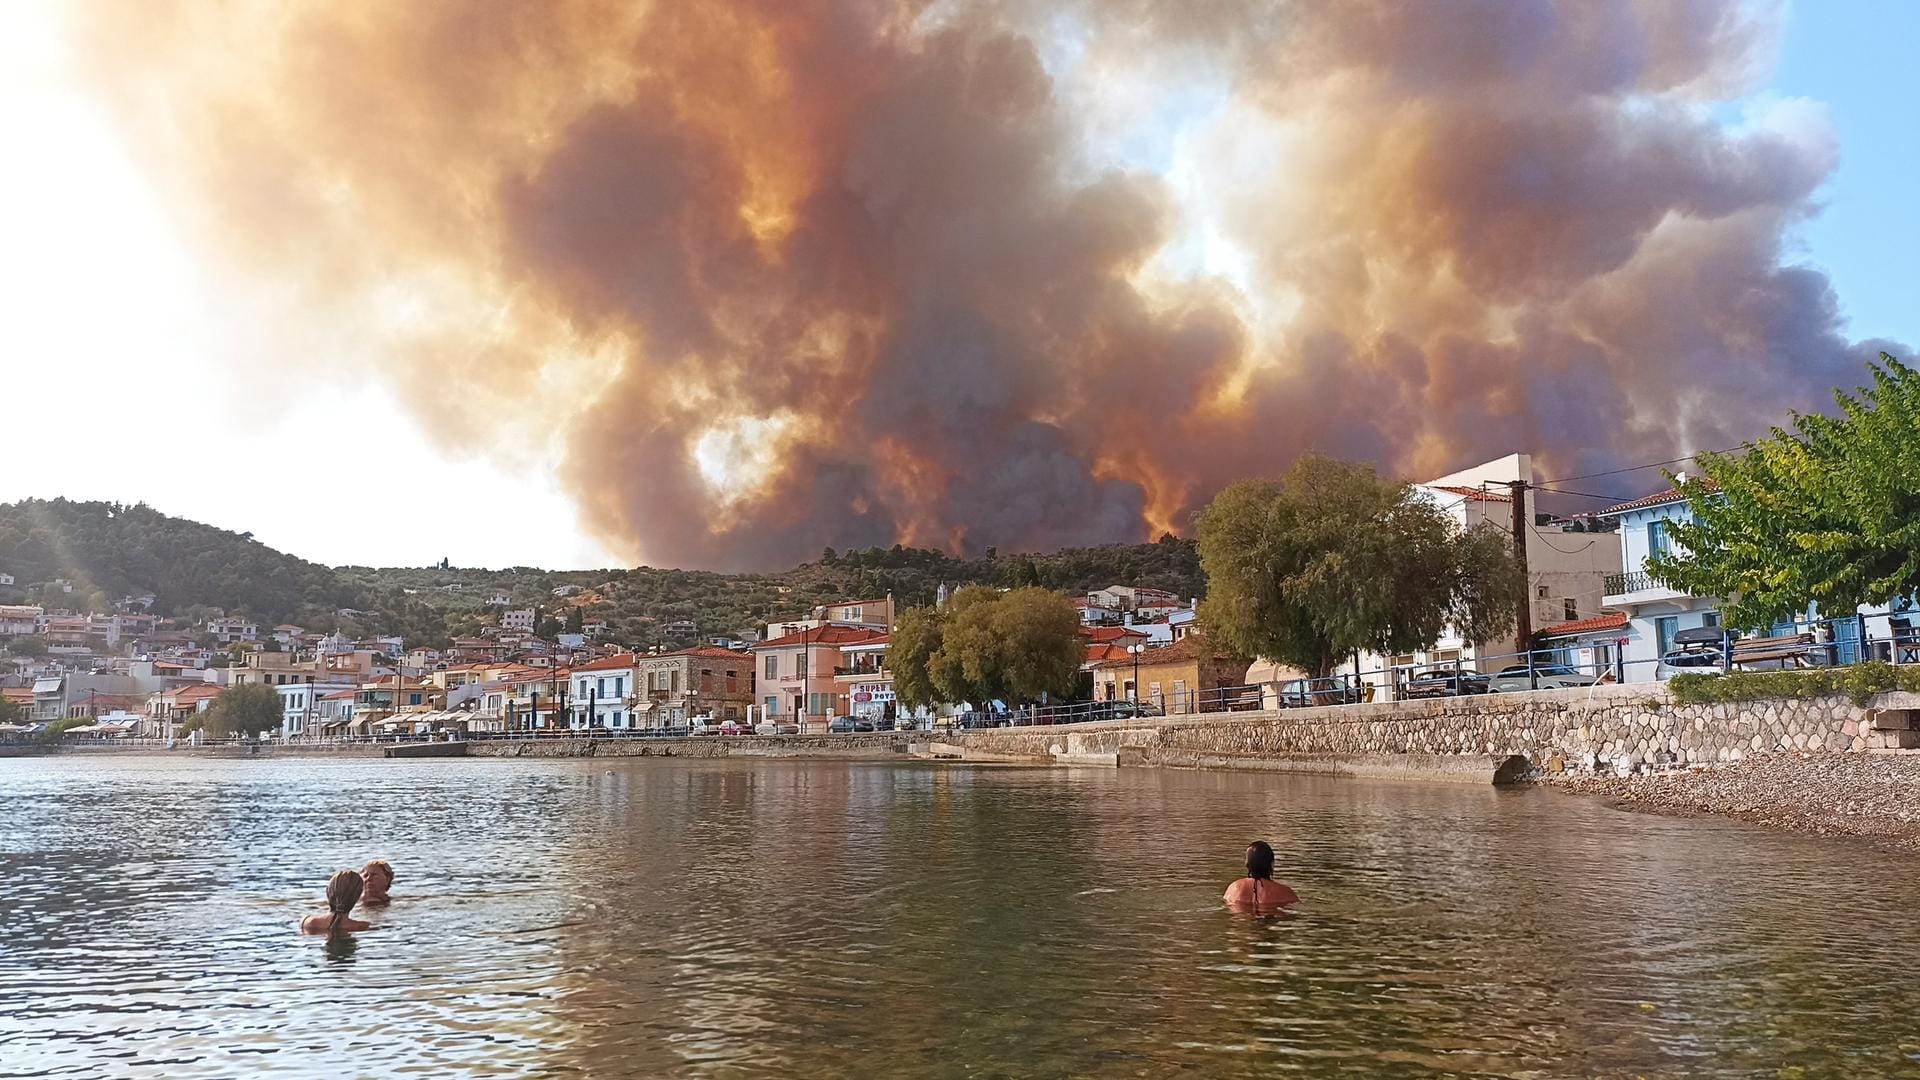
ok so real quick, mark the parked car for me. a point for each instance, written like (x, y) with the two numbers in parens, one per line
(699, 726)
(1301, 693)
(864, 726)
(1688, 659)
(1444, 682)
(840, 725)
(734, 727)
(769, 727)
(883, 724)
(1542, 677)
(1697, 649)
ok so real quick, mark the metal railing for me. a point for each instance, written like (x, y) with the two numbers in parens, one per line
(1632, 581)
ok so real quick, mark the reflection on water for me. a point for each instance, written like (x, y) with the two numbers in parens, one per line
(731, 918)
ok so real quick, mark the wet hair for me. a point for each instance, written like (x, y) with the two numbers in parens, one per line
(386, 870)
(1260, 861)
(343, 891)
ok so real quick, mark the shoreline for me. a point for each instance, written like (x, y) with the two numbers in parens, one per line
(1869, 796)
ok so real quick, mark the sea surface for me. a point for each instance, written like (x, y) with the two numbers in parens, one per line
(730, 918)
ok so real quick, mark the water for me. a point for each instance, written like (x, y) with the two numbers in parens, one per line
(745, 919)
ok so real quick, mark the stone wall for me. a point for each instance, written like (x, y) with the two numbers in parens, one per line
(1610, 728)
(885, 744)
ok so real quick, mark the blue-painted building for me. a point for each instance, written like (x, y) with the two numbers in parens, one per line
(1655, 612)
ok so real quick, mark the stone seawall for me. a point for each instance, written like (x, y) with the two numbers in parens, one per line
(1609, 728)
(884, 745)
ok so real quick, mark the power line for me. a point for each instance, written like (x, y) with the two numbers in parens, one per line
(1637, 468)
(1582, 494)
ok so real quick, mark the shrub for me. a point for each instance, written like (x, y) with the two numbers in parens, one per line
(1859, 682)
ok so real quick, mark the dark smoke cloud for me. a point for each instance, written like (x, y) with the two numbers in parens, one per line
(789, 275)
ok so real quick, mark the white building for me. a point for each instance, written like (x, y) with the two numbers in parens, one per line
(304, 707)
(519, 619)
(600, 691)
(17, 620)
(226, 631)
(1567, 570)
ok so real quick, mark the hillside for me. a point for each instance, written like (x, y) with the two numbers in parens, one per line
(109, 550)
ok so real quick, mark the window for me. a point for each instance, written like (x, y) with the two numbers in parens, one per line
(773, 667)
(620, 686)
(1663, 631)
(1541, 592)
(1711, 618)
(773, 704)
(1657, 540)
(1569, 608)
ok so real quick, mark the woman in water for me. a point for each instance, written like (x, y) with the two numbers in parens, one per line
(1258, 891)
(378, 876)
(343, 891)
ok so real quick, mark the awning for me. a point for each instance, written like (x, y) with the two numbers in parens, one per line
(46, 686)
(645, 706)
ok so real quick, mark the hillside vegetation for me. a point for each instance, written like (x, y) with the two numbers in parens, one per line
(108, 550)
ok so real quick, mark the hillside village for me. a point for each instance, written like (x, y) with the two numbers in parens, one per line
(552, 663)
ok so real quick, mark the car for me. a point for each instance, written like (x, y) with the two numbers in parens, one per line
(770, 727)
(699, 726)
(883, 724)
(863, 726)
(1541, 677)
(840, 725)
(1444, 682)
(1688, 660)
(1304, 693)
(734, 727)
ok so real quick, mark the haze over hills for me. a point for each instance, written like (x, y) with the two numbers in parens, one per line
(99, 552)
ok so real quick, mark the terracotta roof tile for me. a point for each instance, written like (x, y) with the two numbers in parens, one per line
(823, 635)
(1658, 498)
(1473, 494)
(1611, 620)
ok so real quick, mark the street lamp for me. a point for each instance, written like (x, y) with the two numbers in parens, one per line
(1136, 649)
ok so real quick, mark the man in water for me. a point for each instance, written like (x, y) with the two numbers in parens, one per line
(1258, 891)
(379, 878)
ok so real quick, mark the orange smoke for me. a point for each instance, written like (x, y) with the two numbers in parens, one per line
(779, 276)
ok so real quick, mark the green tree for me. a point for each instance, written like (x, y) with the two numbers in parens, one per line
(1332, 559)
(985, 645)
(1022, 573)
(10, 711)
(26, 645)
(575, 620)
(1827, 513)
(243, 710)
(915, 639)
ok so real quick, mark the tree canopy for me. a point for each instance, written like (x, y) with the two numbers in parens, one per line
(985, 645)
(1332, 559)
(243, 710)
(1827, 513)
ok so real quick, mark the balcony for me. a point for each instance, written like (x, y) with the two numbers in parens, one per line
(1635, 582)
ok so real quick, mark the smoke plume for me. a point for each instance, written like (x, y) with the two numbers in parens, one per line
(780, 275)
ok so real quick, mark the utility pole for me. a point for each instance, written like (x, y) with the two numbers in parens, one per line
(1518, 493)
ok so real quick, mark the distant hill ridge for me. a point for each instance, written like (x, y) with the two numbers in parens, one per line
(110, 550)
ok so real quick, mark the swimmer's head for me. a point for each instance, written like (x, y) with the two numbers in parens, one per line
(343, 891)
(378, 876)
(1259, 860)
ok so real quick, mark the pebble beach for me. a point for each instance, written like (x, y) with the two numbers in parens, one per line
(1875, 795)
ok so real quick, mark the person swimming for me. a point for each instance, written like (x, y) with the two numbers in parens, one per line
(1258, 891)
(378, 876)
(343, 891)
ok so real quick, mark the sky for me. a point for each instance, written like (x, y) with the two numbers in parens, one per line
(135, 374)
